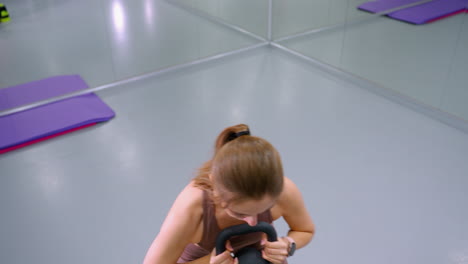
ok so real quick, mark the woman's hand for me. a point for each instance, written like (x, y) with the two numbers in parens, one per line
(225, 257)
(275, 252)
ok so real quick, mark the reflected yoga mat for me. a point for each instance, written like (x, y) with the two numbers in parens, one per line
(48, 121)
(420, 14)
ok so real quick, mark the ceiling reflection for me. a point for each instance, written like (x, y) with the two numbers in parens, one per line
(119, 19)
(149, 13)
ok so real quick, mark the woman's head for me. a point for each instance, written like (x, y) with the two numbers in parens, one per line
(244, 168)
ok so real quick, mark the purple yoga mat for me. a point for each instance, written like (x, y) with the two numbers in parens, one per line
(424, 13)
(384, 5)
(52, 118)
(419, 14)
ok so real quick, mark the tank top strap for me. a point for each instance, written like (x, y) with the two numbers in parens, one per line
(210, 225)
(265, 217)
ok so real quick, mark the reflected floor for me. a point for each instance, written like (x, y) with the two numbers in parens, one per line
(106, 40)
(425, 62)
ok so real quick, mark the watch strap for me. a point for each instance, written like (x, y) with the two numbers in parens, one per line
(291, 245)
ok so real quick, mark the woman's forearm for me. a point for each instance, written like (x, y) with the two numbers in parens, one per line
(301, 238)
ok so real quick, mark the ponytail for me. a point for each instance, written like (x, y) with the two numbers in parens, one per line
(202, 180)
(246, 165)
(230, 134)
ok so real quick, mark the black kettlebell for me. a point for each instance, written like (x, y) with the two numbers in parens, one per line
(247, 255)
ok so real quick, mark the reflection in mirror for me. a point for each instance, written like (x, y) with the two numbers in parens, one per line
(413, 52)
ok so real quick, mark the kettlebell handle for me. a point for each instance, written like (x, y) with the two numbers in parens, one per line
(243, 229)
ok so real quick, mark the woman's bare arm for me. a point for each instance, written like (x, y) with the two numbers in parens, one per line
(295, 213)
(178, 229)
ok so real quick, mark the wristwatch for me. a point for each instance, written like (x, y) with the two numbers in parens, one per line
(292, 246)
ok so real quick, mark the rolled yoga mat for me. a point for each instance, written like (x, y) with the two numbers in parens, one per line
(37, 124)
(420, 14)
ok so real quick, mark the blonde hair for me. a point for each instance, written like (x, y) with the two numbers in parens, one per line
(248, 166)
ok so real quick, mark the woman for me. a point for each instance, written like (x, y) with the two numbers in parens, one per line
(243, 183)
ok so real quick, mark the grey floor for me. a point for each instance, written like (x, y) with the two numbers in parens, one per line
(383, 183)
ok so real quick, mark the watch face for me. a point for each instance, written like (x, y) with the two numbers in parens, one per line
(292, 249)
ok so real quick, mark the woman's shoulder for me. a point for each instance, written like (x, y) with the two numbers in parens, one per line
(187, 211)
(191, 198)
(180, 227)
(290, 193)
(289, 188)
